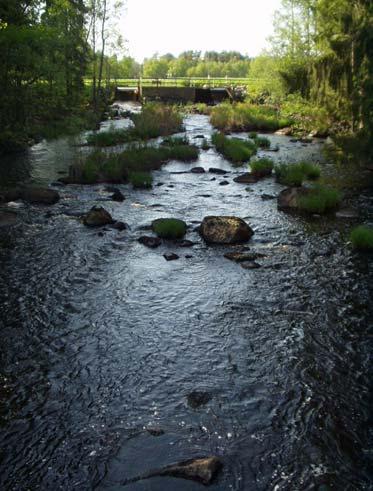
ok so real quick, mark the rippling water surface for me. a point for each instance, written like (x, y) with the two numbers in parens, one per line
(102, 338)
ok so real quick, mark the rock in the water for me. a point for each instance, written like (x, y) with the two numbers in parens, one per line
(223, 183)
(119, 226)
(185, 243)
(7, 219)
(216, 170)
(225, 230)
(240, 257)
(41, 196)
(202, 470)
(198, 398)
(197, 170)
(97, 217)
(369, 167)
(170, 256)
(155, 431)
(284, 131)
(247, 178)
(152, 242)
(250, 265)
(199, 136)
(289, 198)
(117, 195)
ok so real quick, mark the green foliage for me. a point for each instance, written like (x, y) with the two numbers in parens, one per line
(205, 144)
(253, 135)
(362, 238)
(157, 120)
(306, 116)
(262, 166)
(320, 199)
(246, 117)
(184, 153)
(169, 228)
(141, 180)
(173, 141)
(311, 171)
(109, 137)
(234, 149)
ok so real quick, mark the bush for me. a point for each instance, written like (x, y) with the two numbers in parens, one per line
(109, 138)
(245, 117)
(289, 174)
(320, 199)
(261, 167)
(253, 135)
(157, 120)
(234, 149)
(184, 153)
(142, 180)
(362, 238)
(169, 228)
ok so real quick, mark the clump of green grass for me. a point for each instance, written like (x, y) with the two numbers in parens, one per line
(253, 135)
(154, 120)
(234, 149)
(319, 199)
(247, 117)
(311, 171)
(295, 174)
(289, 174)
(141, 180)
(205, 144)
(362, 238)
(173, 141)
(262, 142)
(169, 228)
(184, 153)
(262, 167)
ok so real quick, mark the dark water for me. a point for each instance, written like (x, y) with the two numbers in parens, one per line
(102, 338)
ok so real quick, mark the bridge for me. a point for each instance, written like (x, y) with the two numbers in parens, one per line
(182, 89)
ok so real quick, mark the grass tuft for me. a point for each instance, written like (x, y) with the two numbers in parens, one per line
(295, 174)
(362, 238)
(261, 167)
(169, 228)
(320, 200)
(234, 149)
(262, 142)
(141, 180)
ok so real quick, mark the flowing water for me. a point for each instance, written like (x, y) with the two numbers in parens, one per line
(102, 338)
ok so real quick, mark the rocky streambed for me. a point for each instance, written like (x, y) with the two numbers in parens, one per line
(240, 365)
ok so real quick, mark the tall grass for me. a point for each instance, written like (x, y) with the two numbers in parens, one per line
(247, 117)
(234, 149)
(319, 199)
(154, 120)
(295, 174)
(261, 167)
(362, 238)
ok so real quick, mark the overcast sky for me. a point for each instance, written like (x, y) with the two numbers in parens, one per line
(173, 26)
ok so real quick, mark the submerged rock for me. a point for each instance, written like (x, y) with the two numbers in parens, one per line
(155, 431)
(347, 213)
(246, 178)
(240, 257)
(119, 226)
(152, 242)
(198, 170)
(198, 398)
(223, 183)
(185, 243)
(97, 217)
(250, 265)
(33, 195)
(225, 230)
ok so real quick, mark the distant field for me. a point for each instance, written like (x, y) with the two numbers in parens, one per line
(250, 83)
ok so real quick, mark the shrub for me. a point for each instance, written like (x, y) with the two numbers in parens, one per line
(109, 138)
(205, 145)
(362, 238)
(262, 142)
(169, 228)
(141, 179)
(311, 171)
(253, 135)
(289, 174)
(233, 149)
(320, 199)
(184, 153)
(157, 120)
(261, 167)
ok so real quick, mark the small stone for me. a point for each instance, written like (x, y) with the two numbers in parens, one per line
(97, 217)
(223, 183)
(170, 256)
(216, 170)
(266, 197)
(185, 243)
(155, 431)
(119, 226)
(202, 470)
(199, 136)
(117, 196)
(246, 178)
(197, 170)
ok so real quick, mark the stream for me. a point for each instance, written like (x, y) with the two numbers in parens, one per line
(102, 338)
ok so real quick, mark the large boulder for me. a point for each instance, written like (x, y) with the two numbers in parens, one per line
(97, 217)
(225, 230)
(40, 196)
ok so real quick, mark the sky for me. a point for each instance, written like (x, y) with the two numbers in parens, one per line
(173, 26)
